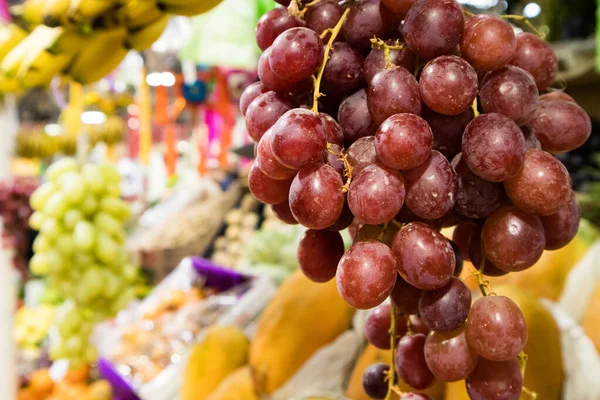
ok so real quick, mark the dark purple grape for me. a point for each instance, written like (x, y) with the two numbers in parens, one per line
(333, 131)
(264, 111)
(354, 117)
(362, 153)
(446, 309)
(461, 236)
(265, 189)
(376, 194)
(447, 130)
(476, 197)
(535, 56)
(474, 252)
(410, 362)
(542, 186)
(272, 24)
(344, 220)
(366, 274)
(374, 380)
(557, 95)
(267, 161)
(405, 297)
(496, 328)
(274, 82)
(561, 125)
(431, 187)
(378, 325)
(399, 7)
(424, 256)
(403, 141)
(448, 85)
(561, 227)
(368, 19)
(493, 147)
(283, 212)
(433, 27)
(449, 356)
(319, 253)
(375, 61)
(323, 15)
(343, 72)
(495, 380)
(531, 140)
(488, 42)
(296, 54)
(393, 91)
(316, 197)
(250, 93)
(299, 138)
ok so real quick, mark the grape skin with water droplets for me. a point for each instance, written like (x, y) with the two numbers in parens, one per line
(393, 91)
(493, 379)
(449, 356)
(296, 54)
(274, 82)
(319, 253)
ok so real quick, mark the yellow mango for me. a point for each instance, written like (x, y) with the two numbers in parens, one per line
(237, 386)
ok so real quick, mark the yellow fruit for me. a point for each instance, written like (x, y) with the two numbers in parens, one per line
(187, 7)
(237, 386)
(223, 350)
(99, 390)
(144, 37)
(41, 383)
(303, 317)
(591, 318)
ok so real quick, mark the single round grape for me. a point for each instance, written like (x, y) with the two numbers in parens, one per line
(474, 252)
(354, 117)
(374, 380)
(399, 7)
(495, 380)
(433, 27)
(362, 153)
(333, 131)
(488, 42)
(510, 91)
(557, 95)
(267, 161)
(512, 239)
(447, 308)
(431, 187)
(343, 72)
(406, 215)
(378, 325)
(319, 253)
(299, 138)
(316, 197)
(403, 141)
(410, 362)
(264, 111)
(274, 82)
(296, 54)
(448, 85)
(265, 189)
(449, 356)
(272, 24)
(366, 274)
(405, 297)
(447, 130)
(561, 227)
(393, 91)
(531, 140)
(476, 197)
(535, 56)
(424, 256)
(493, 147)
(542, 186)
(376, 194)
(344, 220)
(561, 125)
(322, 16)
(250, 93)
(415, 396)
(496, 328)
(283, 212)
(459, 259)
(376, 62)
(368, 19)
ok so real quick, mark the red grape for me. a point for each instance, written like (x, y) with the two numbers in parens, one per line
(393, 91)
(447, 308)
(474, 252)
(333, 131)
(561, 227)
(354, 117)
(449, 356)
(264, 111)
(510, 91)
(535, 55)
(447, 130)
(323, 15)
(418, 326)
(316, 197)
(250, 93)
(403, 141)
(561, 125)
(493, 147)
(495, 380)
(448, 85)
(399, 7)
(368, 19)
(319, 253)
(433, 27)
(265, 189)
(362, 153)
(496, 328)
(374, 380)
(299, 138)
(557, 95)
(366, 274)
(488, 42)
(542, 186)
(343, 72)
(274, 82)
(410, 362)
(431, 187)
(375, 61)
(272, 24)
(296, 54)
(405, 297)
(343, 221)
(283, 212)
(378, 325)
(376, 194)
(462, 237)
(267, 161)
(425, 257)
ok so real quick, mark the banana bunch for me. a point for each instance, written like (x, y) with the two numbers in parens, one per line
(187, 7)
(136, 14)
(30, 12)
(110, 132)
(36, 145)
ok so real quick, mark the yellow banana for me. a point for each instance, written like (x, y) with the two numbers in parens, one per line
(85, 10)
(9, 85)
(10, 36)
(136, 14)
(144, 37)
(187, 8)
(55, 12)
(30, 11)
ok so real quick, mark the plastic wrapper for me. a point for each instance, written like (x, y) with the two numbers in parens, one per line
(145, 349)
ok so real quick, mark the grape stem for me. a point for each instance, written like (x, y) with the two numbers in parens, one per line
(297, 10)
(484, 285)
(522, 357)
(317, 81)
(474, 107)
(347, 167)
(525, 21)
(381, 45)
(467, 13)
(391, 374)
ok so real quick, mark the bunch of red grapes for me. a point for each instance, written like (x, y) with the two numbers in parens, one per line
(395, 118)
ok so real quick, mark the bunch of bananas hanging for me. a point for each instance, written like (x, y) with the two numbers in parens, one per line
(83, 40)
(37, 144)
